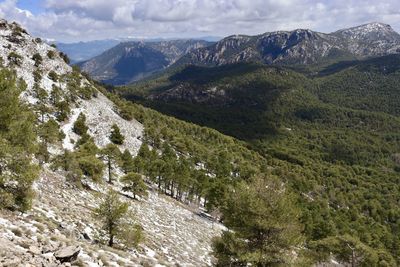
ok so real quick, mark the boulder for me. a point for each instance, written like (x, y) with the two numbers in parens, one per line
(67, 254)
(35, 250)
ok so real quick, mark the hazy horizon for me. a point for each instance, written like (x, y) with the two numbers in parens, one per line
(88, 20)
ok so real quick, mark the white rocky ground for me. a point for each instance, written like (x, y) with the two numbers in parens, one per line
(62, 213)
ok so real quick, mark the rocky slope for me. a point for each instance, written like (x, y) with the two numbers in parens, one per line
(299, 46)
(61, 221)
(131, 61)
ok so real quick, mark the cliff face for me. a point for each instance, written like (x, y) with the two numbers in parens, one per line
(299, 46)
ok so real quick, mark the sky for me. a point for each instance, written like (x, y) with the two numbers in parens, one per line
(85, 20)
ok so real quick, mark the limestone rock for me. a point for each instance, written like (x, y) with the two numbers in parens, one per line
(67, 254)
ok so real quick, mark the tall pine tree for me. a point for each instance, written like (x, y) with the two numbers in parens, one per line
(17, 145)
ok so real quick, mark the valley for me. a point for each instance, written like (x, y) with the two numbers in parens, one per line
(278, 149)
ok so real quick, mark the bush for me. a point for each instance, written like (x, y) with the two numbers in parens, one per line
(117, 222)
(14, 59)
(64, 57)
(6, 200)
(116, 137)
(86, 92)
(18, 30)
(80, 127)
(37, 76)
(38, 59)
(91, 167)
(51, 54)
(132, 235)
(53, 76)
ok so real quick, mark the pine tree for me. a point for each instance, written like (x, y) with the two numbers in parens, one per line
(41, 106)
(128, 163)
(111, 212)
(111, 154)
(263, 223)
(17, 144)
(133, 183)
(63, 110)
(55, 95)
(116, 137)
(80, 127)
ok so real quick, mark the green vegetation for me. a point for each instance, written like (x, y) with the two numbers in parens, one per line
(38, 59)
(332, 137)
(64, 57)
(51, 54)
(53, 76)
(17, 144)
(263, 223)
(134, 184)
(80, 127)
(14, 59)
(116, 137)
(111, 154)
(116, 221)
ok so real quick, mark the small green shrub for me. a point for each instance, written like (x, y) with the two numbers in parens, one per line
(64, 57)
(51, 54)
(38, 59)
(37, 76)
(116, 137)
(53, 76)
(14, 58)
(80, 127)
(91, 167)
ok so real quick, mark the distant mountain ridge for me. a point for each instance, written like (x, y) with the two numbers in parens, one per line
(82, 51)
(131, 61)
(299, 46)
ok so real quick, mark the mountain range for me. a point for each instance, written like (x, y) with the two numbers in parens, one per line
(82, 51)
(130, 62)
(299, 46)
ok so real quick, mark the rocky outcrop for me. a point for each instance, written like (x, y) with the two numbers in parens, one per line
(67, 254)
(298, 46)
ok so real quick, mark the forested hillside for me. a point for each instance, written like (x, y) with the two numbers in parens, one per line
(332, 135)
(89, 179)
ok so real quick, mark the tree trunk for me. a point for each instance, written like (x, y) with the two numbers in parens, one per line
(109, 171)
(111, 241)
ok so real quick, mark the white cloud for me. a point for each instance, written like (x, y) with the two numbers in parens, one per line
(70, 20)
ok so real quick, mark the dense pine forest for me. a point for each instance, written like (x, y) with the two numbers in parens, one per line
(331, 134)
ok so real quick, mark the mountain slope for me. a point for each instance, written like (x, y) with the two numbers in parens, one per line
(336, 131)
(299, 47)
(131, 61)
(82, 51)
(61, 213)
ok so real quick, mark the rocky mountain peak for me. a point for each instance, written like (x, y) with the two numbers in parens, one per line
(300, 46)
(370, 31)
